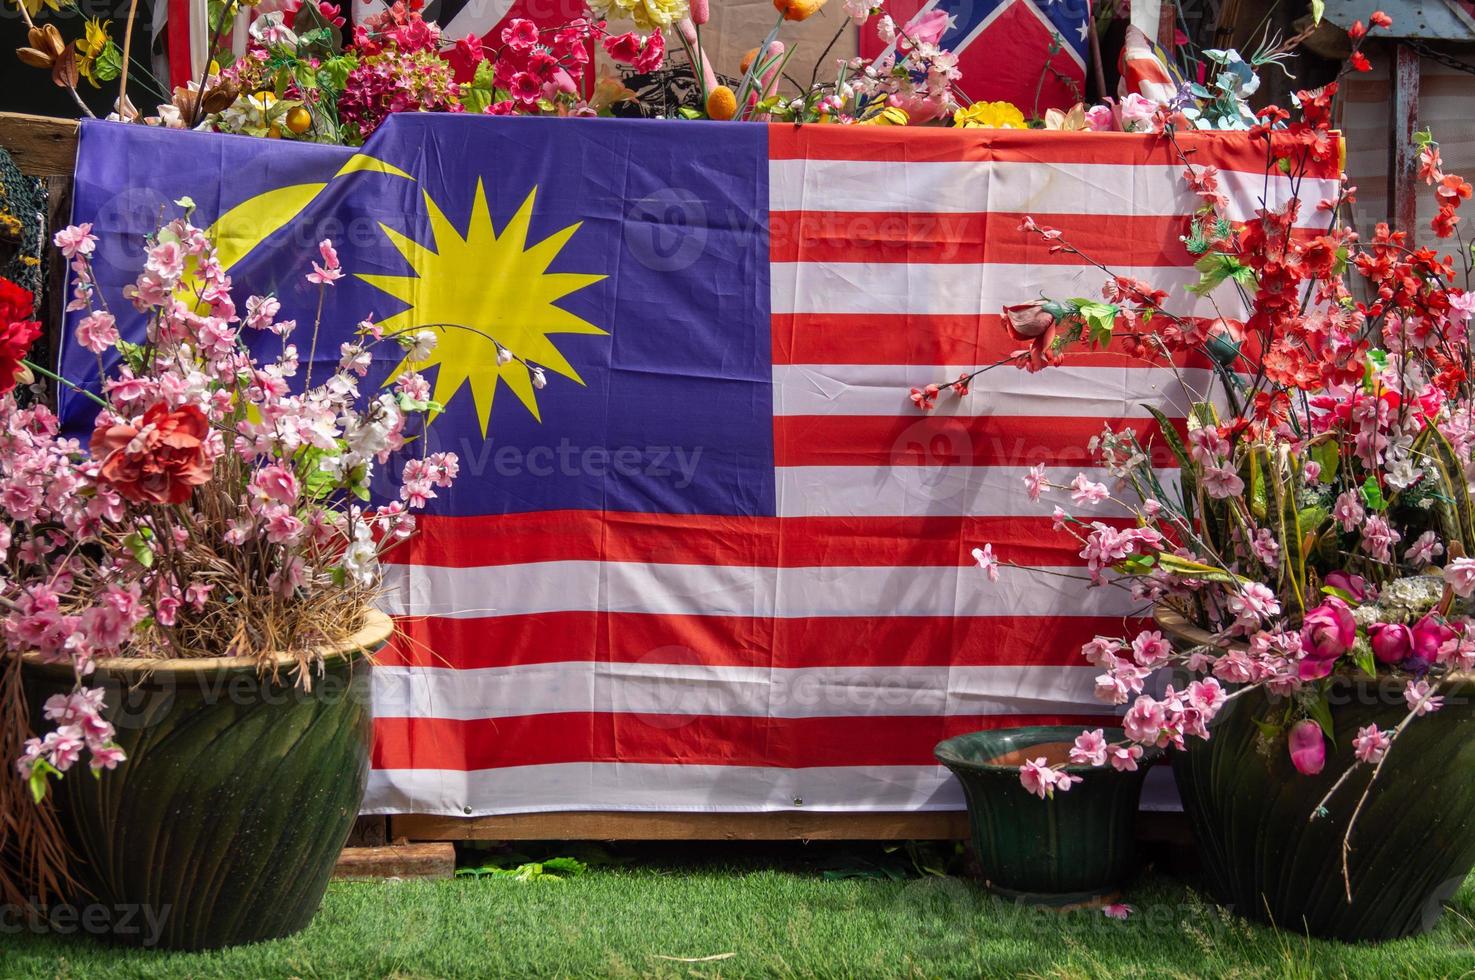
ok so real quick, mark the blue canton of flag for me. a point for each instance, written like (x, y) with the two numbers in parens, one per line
(563, 243)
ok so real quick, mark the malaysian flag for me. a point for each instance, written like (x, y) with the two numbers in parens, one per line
(718, 561)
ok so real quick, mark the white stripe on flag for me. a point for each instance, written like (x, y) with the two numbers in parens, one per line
(962, 289)
(1068, 390)
(952, 187)
(937, 491)
(733, 590)
(757, 692)
(588, 786)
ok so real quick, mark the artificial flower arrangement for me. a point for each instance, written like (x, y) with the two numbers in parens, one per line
(220, 505)
(1321, 524)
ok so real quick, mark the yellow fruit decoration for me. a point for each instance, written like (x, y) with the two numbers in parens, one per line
(299, 120)
(797, 9)
(721, 103)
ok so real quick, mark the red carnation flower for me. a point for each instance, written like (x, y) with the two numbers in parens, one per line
(16, 338)
(159, 461)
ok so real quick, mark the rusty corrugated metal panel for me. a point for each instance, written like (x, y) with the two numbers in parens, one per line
(1429, 20)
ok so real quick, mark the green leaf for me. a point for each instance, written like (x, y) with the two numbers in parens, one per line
(687, 112)
(1321, 713)
(41, 770)
(138, 545)
(1318, 8)
(133, 355)
(1100, 319)
(1364, 660)
(1268, 728)
(1189, 568)
(1455, 506)
(1186, 469)
(565, 866)
(108, 64)
(1328, 455)
(1215, 267)
(1372, 494)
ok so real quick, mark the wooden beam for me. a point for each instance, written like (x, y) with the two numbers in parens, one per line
(1403, 121)
(41, 145)
(598, 825)
(399, 861)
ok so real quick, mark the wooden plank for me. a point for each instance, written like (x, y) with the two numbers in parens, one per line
(599, 825)
(1403, 120)
(399, 861)
(41, 145)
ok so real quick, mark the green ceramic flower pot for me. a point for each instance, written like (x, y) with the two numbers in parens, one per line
(1267, 858)
(1076, 847)
(238, 794)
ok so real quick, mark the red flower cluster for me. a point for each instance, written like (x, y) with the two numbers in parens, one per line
(17, 331)
(159, 461)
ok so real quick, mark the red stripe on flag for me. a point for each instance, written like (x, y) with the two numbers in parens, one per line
(900, 236)
(762, 542)
(953, 440)
(977, 340)
(531, 740)
(734, 641)
(921, 144)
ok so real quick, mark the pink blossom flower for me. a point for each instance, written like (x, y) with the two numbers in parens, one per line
(275, 482)
(520, 34)
(1378, 538)
(75, 240)
(1252, 605)
(1371, 745)
(1089, 749)
(1144, 721)
(925, 398)
(107, 757)
(1035, 482)
(1460, 576)
(1101, 650)
(1037, 777)
(1100, 119)
(329, 271)
(986, 561)
(1083, 491)
(1420, 700)
(97, 331)
(1124, 757)
(1221, 482)
(1424, 550)
(1348, 509)
(1307, 747)
(1117, 910)
(1059, 519)
(1150, 648)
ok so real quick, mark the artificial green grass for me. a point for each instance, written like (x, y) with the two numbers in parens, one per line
(776, 913)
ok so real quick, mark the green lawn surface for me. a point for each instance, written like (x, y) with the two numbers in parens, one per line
(772, 911)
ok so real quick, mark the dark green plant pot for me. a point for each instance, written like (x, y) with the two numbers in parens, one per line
(1265, 858)
(224, 824)
(1075, 847)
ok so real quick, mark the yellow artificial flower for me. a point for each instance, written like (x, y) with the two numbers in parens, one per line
(889, 116)
(990, 115)
(648, 15)
(34, 7)
(93, 41)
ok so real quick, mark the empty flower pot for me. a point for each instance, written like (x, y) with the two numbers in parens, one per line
(1075, 847)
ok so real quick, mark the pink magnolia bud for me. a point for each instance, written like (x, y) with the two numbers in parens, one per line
(700, 12)
(1391, 642)
(1308, 748)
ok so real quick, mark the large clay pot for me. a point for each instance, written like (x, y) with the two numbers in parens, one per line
(238, 794)
(1267, 859)
(1078, 846)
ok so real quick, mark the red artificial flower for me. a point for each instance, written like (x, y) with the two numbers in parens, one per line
(16, 338)
(1360, 62)
(158, 462)
(1379, 19)
(16, 302)
(623, 48)
(1430, 165)
(1452, 189)
(1357, 31)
